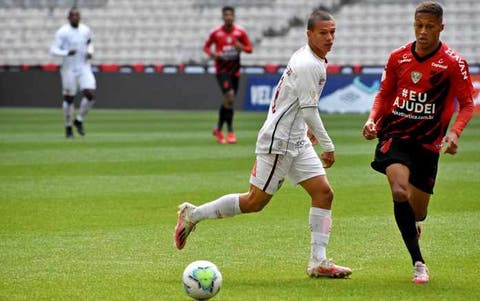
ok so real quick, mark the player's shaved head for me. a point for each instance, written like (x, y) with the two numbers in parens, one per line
(430, 7)
(318, 15)
(73, 11)
(74, 16)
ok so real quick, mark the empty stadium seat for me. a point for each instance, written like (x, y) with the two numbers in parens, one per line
(173, 31)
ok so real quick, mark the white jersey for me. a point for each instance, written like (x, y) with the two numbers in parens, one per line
(70, 38)
(300, 87)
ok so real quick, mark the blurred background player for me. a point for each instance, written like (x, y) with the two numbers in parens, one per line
(284, 150)
(410, 117)
(73, 42)
(230, 40)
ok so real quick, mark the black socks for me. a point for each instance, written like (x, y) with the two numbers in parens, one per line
(225, 115)
(405, 219)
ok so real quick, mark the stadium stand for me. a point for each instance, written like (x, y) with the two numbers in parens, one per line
(172, 32)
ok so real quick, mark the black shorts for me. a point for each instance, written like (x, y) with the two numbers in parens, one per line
(423, 164)
(227, 81)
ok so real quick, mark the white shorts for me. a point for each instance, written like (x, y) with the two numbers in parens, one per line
(270, 170)
(74, 78)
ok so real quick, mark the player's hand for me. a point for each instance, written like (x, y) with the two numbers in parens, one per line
(216, 55)
(312, 137)
(451, 143)
(328, 158)
(72, 52)
(238, 45)
(369, 130)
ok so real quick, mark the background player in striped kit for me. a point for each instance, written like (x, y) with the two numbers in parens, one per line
(73, 42)
(230, 40)
(410, 117)
(284, 150)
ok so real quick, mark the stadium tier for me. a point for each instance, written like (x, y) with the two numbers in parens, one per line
(173, 31)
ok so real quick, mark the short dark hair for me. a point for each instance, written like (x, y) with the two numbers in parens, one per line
(228, 8)
(430, 7)
(318, 15)
(73, 10)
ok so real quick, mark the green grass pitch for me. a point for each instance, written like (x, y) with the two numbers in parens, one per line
(92, 218)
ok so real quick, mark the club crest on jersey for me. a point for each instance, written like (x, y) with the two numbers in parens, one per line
(416, 76)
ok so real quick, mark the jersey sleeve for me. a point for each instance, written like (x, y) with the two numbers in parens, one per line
(464, 92)
(90, 48)
(307, 85)
(315, 124)
(247, 46)
(208, 44)
(386, 94)
(57, 46)
(308, 89)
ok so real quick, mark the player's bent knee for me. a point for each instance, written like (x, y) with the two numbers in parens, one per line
(69, 99)
(399, 193)
(329, 196)
(254, 202)
(89, 94)
(254, 207)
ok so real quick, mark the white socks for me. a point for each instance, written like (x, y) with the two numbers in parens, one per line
(225, 206)
(320, 222)
(68, 109)
(85, 106)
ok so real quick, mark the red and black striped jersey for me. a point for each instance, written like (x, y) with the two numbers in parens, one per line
(416, 100)
(224, 40)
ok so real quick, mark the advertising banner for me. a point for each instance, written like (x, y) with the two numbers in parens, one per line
(342, 93)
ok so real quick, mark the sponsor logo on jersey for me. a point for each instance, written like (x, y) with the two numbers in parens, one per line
(413, 105)
(460, 61)
(439, 64)
(405, 59)
(416, 76)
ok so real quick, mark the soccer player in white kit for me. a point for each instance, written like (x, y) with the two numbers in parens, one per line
(284, 150)
(73, 42)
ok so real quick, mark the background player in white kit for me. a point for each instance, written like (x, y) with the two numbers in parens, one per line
(284, 150)
(73, 41)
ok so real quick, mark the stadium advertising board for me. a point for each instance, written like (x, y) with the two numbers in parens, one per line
(352, 93)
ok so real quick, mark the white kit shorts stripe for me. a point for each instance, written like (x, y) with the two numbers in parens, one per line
(270, 170)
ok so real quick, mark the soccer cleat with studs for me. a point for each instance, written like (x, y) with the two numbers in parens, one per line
(231, 139)
(79, 126)
(327, 268)
(68, 132)
(218, 134)
(420, 273)
(184, 225)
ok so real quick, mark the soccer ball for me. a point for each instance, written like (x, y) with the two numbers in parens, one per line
(202, 280)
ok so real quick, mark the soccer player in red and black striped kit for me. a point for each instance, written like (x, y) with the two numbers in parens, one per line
(230, 40)
(410, 116)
